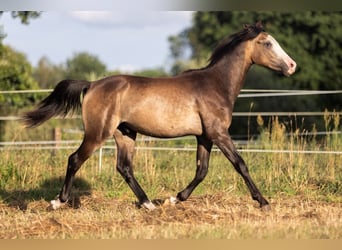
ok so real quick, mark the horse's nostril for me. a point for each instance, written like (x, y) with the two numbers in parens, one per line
(293, 64)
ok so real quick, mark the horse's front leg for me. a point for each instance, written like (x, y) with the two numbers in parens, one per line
(225, 144)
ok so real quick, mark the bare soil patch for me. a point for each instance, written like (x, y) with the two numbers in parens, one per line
(215, 216)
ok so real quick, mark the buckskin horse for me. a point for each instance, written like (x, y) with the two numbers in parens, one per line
(196, 102)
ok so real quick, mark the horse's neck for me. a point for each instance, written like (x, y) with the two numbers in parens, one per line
(233, 69)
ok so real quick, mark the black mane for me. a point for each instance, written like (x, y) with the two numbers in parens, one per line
(229, 43)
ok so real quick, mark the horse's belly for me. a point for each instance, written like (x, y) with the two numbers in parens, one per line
(162, 113)
(162, 125)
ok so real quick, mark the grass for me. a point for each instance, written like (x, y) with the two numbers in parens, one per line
(305, 191)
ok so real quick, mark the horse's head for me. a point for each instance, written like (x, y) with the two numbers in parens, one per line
(267, 52)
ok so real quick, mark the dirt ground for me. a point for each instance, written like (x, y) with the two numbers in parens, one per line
(217, 216)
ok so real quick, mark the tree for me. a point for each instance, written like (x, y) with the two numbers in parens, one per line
(15, 74)
(153, 72)
(15, 70)
(47, 74)
(24, 16)
(84, 66)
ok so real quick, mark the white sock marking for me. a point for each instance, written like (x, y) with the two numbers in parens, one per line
(148, 205)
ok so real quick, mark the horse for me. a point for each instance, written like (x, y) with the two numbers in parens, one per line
(197, 102)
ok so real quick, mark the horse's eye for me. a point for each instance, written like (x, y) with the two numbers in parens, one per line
(268, 44)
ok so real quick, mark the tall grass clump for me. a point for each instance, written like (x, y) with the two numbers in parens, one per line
(299, 162)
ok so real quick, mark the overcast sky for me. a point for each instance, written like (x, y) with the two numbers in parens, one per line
(122, 40)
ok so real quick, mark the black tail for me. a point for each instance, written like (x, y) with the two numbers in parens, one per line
(64, 98)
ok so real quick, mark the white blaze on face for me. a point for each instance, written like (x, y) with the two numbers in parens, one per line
(281, 54)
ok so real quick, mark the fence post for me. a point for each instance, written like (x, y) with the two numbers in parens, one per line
(100, 160)
(57, 137)
(2, 130)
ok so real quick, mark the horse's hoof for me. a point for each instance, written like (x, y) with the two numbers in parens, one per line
(148, 205)
(266, 208)
(56, 204)
(171, 201)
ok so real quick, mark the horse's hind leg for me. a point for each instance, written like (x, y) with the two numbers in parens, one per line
(125, 141)
(203, 154)
(75, 161)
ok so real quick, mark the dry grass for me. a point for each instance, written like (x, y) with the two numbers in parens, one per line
(216, 216)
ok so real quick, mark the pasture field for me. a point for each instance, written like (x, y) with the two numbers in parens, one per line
(305, 192)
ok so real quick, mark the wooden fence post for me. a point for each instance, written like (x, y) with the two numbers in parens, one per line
(57, 137)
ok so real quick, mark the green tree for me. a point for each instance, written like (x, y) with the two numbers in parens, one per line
(15, 70)
(15, 74)
(24, 16)
(178, 46)
(84, 66)
(154, 72)
(48, 74)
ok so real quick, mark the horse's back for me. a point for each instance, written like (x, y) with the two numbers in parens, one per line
(161, 107)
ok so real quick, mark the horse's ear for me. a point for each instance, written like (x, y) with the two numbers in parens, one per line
(246, 26)
(259, 25)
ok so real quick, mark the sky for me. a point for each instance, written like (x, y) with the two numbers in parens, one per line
(124, 40)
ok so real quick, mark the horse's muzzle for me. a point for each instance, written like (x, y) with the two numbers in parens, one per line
(291, 67)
